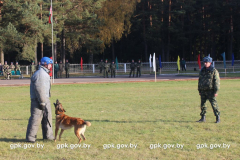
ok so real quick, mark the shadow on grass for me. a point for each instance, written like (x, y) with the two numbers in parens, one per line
(158, 120)
(12, 140)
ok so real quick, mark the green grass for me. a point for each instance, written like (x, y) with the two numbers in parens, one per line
(122, 113)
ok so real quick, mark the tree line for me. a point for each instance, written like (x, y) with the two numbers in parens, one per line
(126, 29)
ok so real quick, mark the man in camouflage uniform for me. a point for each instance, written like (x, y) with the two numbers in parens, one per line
(18, 68)
(60, 68)
(67, 67)
(101, 65)
(32, 69)
(139, 68)
(12, 67)
(208, 86)
(113, 69)
(56, 69)
(106, 68)
(132, 67)
(6, 70)
(1, 68)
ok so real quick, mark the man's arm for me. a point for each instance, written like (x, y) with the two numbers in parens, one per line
(216, 82)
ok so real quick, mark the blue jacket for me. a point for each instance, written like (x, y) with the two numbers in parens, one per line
(40, 85)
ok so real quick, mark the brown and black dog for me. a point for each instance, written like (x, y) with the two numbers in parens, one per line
(65, 122)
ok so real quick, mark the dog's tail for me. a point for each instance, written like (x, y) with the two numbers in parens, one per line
(87, 123)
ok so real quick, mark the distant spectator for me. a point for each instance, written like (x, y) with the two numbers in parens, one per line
(183, 64)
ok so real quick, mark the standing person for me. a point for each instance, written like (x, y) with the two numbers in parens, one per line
(208, 86)
(106, 68)
(113, 69)
(67, 67)
(101, 65)
(56, 68)
(40, 104)
(183, 64)
(139, 68)
(132, 67)
(39, 64)
(32, 69)
(1, 68)
(60, 68)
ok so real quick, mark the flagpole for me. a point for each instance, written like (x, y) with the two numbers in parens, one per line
(155, 72)
(52, 43)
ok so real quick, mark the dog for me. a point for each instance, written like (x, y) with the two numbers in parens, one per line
(65, 122)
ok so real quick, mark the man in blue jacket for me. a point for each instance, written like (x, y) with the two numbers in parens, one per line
(40, 103)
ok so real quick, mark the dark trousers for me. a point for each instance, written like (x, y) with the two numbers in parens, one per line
(132, 71)
(139, 72)
(55, 74)
(183, 67)
(67, 73)
(100, 69)
(112, 73)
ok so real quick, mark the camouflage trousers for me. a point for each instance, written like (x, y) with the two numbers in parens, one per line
(105, 73)
(208, 95)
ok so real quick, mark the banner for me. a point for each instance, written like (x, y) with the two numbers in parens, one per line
(199, 62)
(224, 59)
(178, 63)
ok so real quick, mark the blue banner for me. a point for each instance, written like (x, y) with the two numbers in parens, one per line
(224, 59)
(232, 59)
(160, 63)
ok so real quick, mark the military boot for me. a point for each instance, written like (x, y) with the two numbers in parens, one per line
(203, 119)
(217, 119)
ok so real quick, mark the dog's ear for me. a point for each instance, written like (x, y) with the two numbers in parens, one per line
(57, 101)
(54, 105)
(64, 110)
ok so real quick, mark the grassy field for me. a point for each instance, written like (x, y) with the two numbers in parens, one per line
(144, 120)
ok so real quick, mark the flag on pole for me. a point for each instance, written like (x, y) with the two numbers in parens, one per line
(178, 63)
(116, 63)
(199, 62)
(224, 59)
(160, 63)
(81, 63)
(154, 62)
(150, 63)
(232, 59)
(50, 16)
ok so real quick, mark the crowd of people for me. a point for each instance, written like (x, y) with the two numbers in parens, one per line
(8, 70)
(105, 68)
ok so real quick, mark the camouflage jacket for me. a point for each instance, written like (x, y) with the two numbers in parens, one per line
(12, 67)
(17, 68)
(208, 80)
(67, 66)
(60, 67)
(5, 66)
(106, 65)
(101, 64)
(113, 66)
(32, 68)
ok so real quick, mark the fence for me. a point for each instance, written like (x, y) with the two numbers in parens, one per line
(145, 68)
